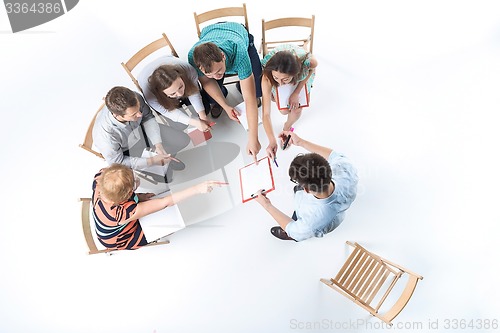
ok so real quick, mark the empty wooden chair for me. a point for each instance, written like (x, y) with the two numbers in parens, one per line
(368, 279)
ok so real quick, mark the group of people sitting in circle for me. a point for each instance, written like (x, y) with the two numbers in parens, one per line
(326, 181)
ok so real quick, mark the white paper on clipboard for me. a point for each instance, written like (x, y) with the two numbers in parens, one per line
(255, 177)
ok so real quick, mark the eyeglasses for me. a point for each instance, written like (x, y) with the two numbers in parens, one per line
(294, 181)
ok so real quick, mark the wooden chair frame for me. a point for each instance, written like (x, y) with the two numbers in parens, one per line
(219, 13)
(88, 141)
(87, 231)
(306, 43)
(145, 52)
(361, 279)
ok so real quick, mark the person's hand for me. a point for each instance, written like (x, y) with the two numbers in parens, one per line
(209, 185)
(203, 125)
(271, 149)
(293, 101)
(160, 159)
(145, 196)
(159, 149)
(253, 148)
(294, 138)
(233, 114)
(261, 198)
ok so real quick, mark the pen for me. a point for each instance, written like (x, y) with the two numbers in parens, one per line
(288, 139)
(276, 162)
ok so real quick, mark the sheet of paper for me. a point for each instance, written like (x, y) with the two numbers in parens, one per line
(162, 223)
(284, 92)
(255, 177)
(243, 115)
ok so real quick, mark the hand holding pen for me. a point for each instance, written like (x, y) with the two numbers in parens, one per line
(271, 150)
(285, 138)
(288, 138)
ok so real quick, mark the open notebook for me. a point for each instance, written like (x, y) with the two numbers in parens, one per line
(163, 222)
(255, 177)
(283, 94)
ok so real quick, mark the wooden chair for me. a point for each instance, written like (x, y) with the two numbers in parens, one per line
(288, 25)
(88, 141)
(239, 12)
(87, 231)
(144, 53)
(362, 277)
(206, 18)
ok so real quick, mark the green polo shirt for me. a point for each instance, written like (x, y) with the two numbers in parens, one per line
(232, 39)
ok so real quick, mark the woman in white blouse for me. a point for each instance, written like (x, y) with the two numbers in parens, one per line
(166, 82)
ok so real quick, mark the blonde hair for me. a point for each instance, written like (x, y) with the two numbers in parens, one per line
(116, 183)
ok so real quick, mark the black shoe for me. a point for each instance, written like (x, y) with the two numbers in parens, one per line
(169, 176)
(216, 111)
(278, 232)
(176, 165)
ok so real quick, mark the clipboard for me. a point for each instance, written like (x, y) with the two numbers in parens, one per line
(283, 93)
(256, 177)
(198, 136)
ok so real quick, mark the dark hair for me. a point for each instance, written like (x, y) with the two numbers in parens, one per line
(311, 171)
(284, 62)
(204, 55)
(118, 99)
(162, 78)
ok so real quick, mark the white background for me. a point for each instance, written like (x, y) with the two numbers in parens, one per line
(409, 90)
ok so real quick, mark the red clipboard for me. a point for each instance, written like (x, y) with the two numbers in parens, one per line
(198, 136)
(256, 177)
(283, 94)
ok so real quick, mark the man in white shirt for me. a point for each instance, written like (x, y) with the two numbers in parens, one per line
(126, 126)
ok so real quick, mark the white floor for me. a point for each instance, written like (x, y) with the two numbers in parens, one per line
(408, 90)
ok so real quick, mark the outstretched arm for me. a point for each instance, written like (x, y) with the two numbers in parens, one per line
(151, 206)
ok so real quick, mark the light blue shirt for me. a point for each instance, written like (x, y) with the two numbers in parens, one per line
(316, 217)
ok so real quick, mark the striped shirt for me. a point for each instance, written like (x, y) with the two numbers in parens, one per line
(107, 218)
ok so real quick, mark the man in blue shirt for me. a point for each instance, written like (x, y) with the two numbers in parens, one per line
(227, 48)
(326, 187)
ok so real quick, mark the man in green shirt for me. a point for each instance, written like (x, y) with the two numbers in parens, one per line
(227, 48)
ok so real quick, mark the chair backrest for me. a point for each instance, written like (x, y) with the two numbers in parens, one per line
(88, 231)
(302, 27)
(88, 141)
(225, 12)
(144, 53)
(367, 279)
